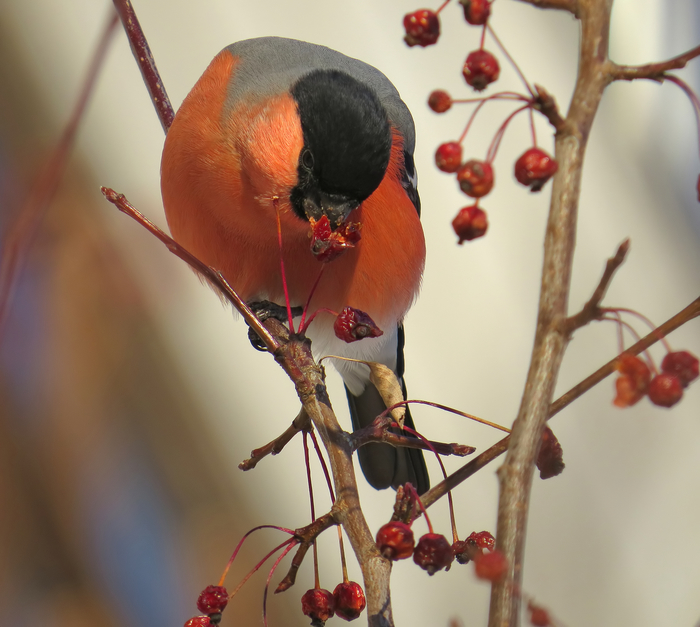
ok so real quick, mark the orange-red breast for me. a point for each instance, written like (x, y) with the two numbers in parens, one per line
(278, 124)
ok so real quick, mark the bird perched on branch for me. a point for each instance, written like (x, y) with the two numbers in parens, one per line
(278, 127)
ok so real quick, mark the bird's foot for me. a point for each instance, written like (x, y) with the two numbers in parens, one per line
(265, 309)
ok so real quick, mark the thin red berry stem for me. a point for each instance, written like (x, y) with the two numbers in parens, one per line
(496, 142)
(269, 578)
(483, 36)
(643, 318)
(291, 542)
(314, 314)
(532, 128)
(510, 59)
(442, 6)
(422, 507)
(240, 544)
(694, 100)
(635, 335)
(302, 327)
(275, 202)
(343, 562)
(501, 95)
(450, 502)
(324, 466)
(313, 507)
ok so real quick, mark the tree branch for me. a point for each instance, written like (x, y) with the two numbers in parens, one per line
(651, 71)
(563, 5)
(300, 423)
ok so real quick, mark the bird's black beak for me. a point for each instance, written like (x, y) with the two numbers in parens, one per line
(336, 207)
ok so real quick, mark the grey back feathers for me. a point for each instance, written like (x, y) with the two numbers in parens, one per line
(272, 65)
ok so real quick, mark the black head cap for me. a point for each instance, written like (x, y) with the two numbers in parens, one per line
(347, 144)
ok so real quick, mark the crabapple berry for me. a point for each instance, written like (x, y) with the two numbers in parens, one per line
(433, 553)
(476, 12)
(483, 539)
(199, 621)
(539, 617)
(550, 460)
(665, 390)
(395, 540)
(475, 178)
(490, 566)
(422, 27)
(212, 600)
(448, 156)
(352, 325)
(319, 605)
(534, 168)
(439, 101)
(349, 600)
(480, 69)
(682, 364)
(634, 379)
(470, 223)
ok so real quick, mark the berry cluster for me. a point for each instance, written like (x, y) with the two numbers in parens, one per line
(481, 68)
(347, 601)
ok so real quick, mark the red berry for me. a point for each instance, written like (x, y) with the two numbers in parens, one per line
(470, 223)
(539, 617)
(439, 101)
(319, 605)
(395, 540)
(448, 156)
(199, 621)
(476, 12)
(491, 566)
(483, 539)
(327, 244)
(352, 325)
(422, 27)
(550, 459)
(534, 168)
(632, 385)
(212, 600)
(683, 365)
(475, 178)
(480, 69)
(349, 600)
(433, 553)
(665, 390)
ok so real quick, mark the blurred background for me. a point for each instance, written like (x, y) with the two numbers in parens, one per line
(129, 394)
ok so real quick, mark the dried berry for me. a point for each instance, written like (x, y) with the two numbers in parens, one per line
(480, 69)
(212, 600)
(352, 325)
(665, 390)
(470, 223)
(319, 605)
(683, 365)
(448, 156)
(422, 27)
(327, 244)
(539, 617)
(491, 566)
(550, 460)
(476, 12)
(475, 178)
(483, 539)
(465, 550)
(395, 540)
(632, 385)
(439, 101)
(349, 600)
(199, 621)
(433, 553)
(534, 168)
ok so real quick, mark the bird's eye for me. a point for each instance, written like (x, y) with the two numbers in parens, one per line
(307, 159)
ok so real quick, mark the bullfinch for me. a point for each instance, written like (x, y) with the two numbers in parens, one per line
(279, 127)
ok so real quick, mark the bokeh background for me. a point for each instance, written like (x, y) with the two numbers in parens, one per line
(128, 393)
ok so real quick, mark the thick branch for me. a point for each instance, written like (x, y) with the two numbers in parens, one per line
(652, 71)
(515, 476)
(146, 63)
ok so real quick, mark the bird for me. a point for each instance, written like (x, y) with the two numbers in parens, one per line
(278, 128)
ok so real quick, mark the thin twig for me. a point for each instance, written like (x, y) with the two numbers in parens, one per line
(146, 63)
(651, 71)
(23, 231)
(212, 275)
(564, 5)
(300, 423)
